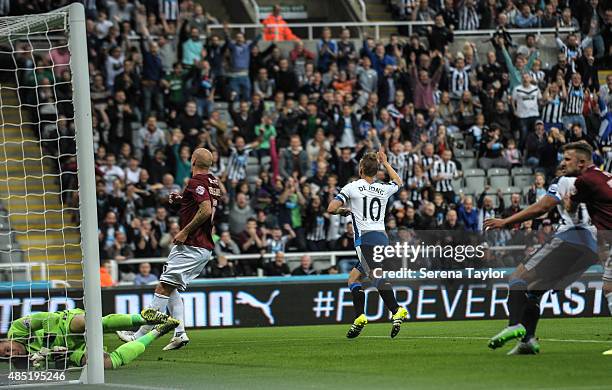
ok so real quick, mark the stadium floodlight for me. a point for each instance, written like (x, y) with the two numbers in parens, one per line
(47, 174)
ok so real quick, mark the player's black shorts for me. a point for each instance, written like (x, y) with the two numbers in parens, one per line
(559, 263)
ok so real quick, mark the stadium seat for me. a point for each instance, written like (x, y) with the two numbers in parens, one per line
(253, 161)
(252, 171)
(457, 183)
(474, 172)
(4, 221)
(522, 180)
(499, 181)
(468, 163)
(475, 184)
(498, 172)
(5, 241)
(521, 171)
(464, 153)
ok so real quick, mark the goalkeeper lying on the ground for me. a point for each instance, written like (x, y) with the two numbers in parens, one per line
(42, 338)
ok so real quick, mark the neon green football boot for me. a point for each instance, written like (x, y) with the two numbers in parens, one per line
(400, 315)
(507, 334)
(358, 325)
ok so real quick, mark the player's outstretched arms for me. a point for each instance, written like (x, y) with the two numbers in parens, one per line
(382, 158)
(544, 205)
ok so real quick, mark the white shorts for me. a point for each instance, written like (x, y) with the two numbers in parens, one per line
(607, 276)
(184, 264)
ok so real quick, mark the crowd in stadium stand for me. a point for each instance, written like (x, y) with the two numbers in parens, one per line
(160, 76)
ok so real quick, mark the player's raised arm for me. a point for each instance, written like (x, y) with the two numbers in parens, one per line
(544, 205)
(382, 158)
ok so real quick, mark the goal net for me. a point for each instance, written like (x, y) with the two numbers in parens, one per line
(49, 259)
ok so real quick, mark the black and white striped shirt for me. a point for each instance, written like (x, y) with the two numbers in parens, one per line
(603, 143)
(398, 162)
(317, 230)
(428, 163)
(459, 81)
(416, 194)
(552, 112)
(170, 9)
(406, 7)
(5, 7)
(448, 171)
(412, 159)
(538, 76)
(236, 166)
(468, 19)
(403, 163)
(575, 100)
(574, 53)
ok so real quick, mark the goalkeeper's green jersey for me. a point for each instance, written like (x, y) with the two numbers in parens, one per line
(46, 329)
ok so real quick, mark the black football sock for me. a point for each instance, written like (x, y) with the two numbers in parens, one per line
(516, 301)
(358, 298)
(386, 293)
(531, 314)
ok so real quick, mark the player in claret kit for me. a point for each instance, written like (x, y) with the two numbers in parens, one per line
(594, 188)
(43, 338)
(194, 244)
(366, 202)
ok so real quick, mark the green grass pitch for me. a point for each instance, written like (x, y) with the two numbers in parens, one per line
(426, 355)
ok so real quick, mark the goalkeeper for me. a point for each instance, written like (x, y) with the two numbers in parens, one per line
(41, 338)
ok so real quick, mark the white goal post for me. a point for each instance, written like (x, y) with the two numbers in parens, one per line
(36, 146)
(94, 373)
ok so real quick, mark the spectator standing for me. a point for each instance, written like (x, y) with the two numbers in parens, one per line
(153, 72)
(275, 27)
(121, 115)
(240, 56)
(444, 171)
(575, 103)
(468, 16)
(525, 101)
(327, 50)
(439, 35)
(554, 99)
(192, 49)
(150, 138)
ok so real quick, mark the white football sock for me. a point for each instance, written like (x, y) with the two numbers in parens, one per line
(159, 302)
(177, 310)
(609, 298)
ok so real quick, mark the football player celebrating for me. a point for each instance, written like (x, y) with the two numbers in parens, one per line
(194, 244)
(366, 201)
